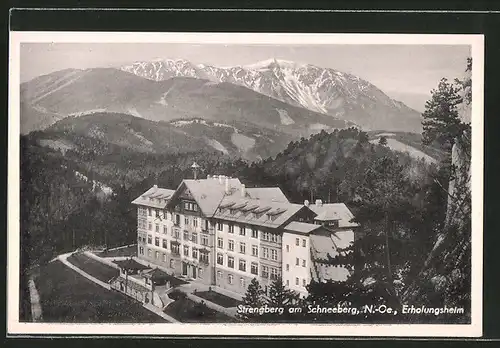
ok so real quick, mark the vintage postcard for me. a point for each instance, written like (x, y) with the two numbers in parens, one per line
(245, 184)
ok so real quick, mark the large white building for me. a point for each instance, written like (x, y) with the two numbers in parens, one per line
(219, 232)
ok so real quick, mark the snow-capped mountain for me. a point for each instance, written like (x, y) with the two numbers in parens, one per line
(323, 90)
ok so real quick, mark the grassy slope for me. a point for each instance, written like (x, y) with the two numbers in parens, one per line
(68, 297)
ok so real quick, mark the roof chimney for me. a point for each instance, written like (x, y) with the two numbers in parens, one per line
(227, 185)
(306, 203)
(243, 191)
(319, 202)
(209, 176)
(155, 186)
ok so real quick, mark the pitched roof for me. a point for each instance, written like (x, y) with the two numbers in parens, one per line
(334, 211)
(323, 246)
(155, 197)
(209, 193)
(245, 216)
(273, 194)
(301, 227)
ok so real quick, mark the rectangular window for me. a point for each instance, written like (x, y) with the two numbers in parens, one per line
(254, 268)
(157, 241)
(296, 241)
(230, 245)
(231, 228)
(174, 248)
(230, 278)
(194, 237)
(149, 252)
(186, 235)
(219, 274)
(242, 265)
(186, 250)
(255, 233)
(186, 221)
(177, 219)
(242, 248)
(195, 222)
(150, 212)
(242, 231)
(177, 234)
(303, 263)
(287, 248)
(220, 226)
(150, 226)
(296, 261)
(274, 274)
(157, 255)
(195, 253)
(287, 282)
(274, 238)
(304, 243)
(220, 243)
(287, 267)
(230, 262)
(265, 272)
(165, 230)
(220, 259)
(157, 228)
(303, 282)
(164, 244)
(296, 281)
(204, 258)
(255, 250)
(200, 272)
(141, 250)
(150, 239)
(172, 263)
(265, 253)
(274, 254)
(242, 282)
(204, 240)
(164, 257)
(186, 205)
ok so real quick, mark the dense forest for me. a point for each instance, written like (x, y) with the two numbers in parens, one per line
(400, 201)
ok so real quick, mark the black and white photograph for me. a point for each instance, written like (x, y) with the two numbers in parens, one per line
(265, 184)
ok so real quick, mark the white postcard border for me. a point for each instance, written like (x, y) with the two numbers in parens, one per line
(278, 330)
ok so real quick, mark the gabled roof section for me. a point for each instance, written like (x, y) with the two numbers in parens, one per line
(271, 194)
(209, 193)
(301, 227)
(334, 211)
(261, 208)
(155, 197)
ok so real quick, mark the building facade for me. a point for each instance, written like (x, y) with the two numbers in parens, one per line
(219, 232)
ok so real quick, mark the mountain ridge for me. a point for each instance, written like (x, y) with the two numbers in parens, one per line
(323, 90)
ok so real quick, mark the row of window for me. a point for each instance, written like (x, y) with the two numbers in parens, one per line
(175, 247)
(297, 263)
(297, 282)
(297, 243)
(164, 258)
(266, 252)
(230, 279)
(266, 271)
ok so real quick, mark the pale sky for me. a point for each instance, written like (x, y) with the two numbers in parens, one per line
(404, 72)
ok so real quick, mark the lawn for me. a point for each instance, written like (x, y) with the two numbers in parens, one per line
(188, 311)
(68, 297)
(220, 299)
(93, 267)
(127, 251)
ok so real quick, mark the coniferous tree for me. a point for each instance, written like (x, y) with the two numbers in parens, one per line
(382, 141)
(441, 119)
(254, 297)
